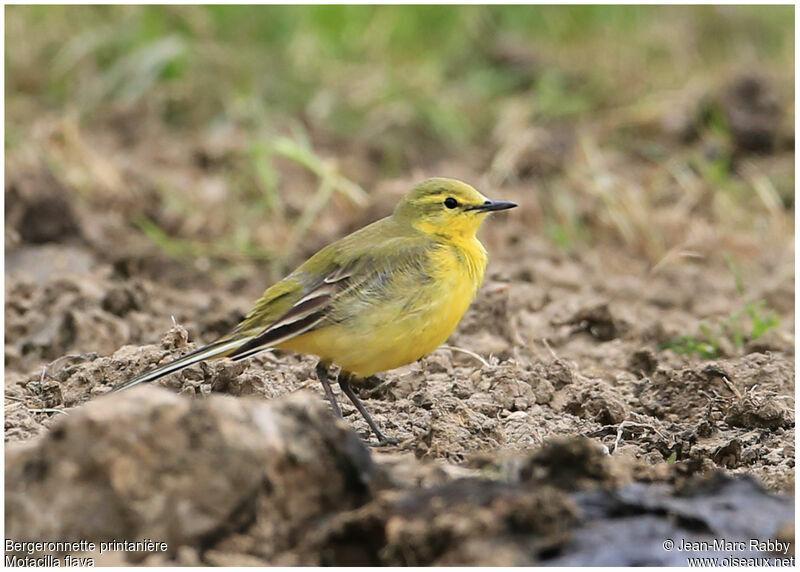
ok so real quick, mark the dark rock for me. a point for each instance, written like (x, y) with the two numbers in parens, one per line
(753, 113)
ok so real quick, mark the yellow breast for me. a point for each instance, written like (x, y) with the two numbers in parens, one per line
(417, 320)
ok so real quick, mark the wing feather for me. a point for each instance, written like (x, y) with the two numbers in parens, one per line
(305, 315)
(322, 300)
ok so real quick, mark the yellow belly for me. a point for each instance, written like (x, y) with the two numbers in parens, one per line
(414, 324)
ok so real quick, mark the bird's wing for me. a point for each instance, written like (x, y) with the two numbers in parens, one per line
(317, 303)
(304, 315)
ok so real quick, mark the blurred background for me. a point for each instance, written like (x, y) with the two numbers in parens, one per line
(216, 147)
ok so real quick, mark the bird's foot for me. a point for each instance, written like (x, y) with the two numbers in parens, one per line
(384, 441)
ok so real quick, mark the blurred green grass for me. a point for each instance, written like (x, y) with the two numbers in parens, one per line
(305, 88)
(436, 70)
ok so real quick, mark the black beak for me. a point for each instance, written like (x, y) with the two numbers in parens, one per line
(490, 206)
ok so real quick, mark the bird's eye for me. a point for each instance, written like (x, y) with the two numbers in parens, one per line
(450, 203)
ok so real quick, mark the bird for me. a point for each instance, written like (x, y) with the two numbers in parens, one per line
(379, 298)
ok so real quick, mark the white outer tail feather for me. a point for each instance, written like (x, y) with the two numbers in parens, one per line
(185, 361)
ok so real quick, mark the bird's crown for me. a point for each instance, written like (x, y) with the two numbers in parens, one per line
(446, 207)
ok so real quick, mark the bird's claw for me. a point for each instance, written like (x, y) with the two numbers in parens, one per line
(384, 441)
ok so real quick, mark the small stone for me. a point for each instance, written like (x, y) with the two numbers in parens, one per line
(177, 337)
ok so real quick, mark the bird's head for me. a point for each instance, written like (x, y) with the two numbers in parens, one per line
(446, 207)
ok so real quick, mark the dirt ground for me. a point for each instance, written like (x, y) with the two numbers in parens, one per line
(559, 342)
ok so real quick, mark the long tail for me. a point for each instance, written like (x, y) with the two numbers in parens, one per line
(216, 349)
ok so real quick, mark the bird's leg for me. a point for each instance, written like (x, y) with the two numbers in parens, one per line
(344, 383)
(322, 374)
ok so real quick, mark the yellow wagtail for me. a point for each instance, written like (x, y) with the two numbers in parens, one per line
(382, 297)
